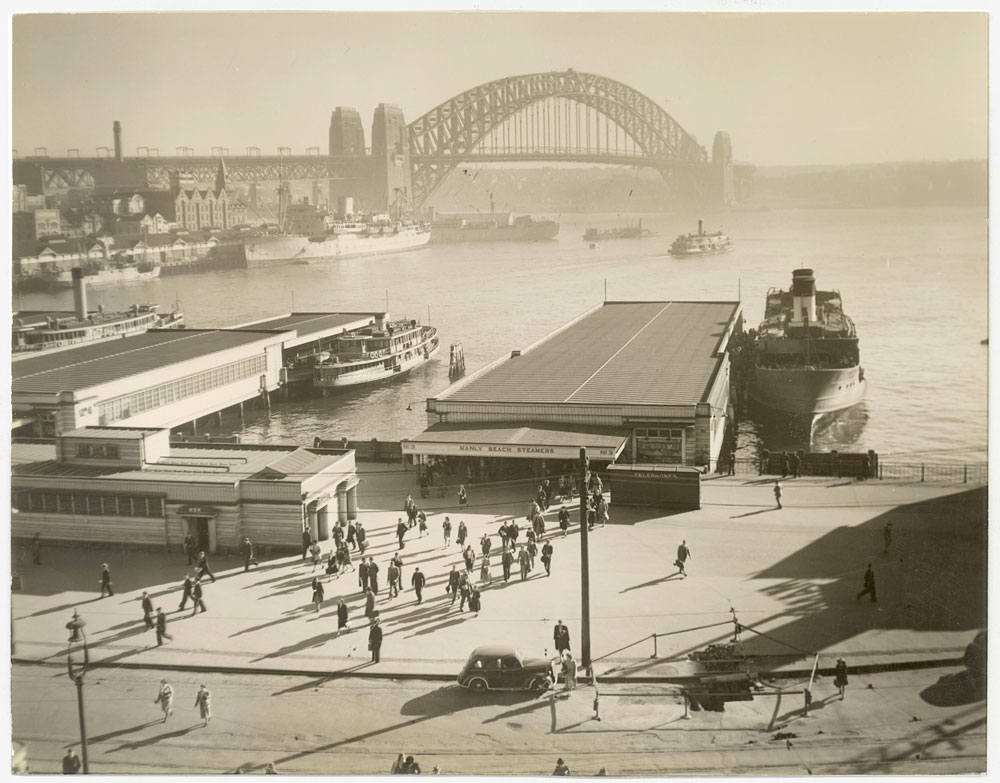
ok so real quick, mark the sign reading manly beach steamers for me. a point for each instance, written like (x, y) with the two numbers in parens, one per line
(506, 450)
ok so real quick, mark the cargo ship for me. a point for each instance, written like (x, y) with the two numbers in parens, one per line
(701, 244)
(807, 359)
(501, 227)
(308, 234)
(619, 232)
(387, 349)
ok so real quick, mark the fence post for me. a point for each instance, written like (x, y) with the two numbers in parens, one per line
(921, 472)
(880, 471)
(965, 474)
(655, 649)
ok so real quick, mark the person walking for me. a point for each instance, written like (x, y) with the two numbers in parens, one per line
(513, 531)
(547, 557)
(732, 462)
(418, 580)
(373, 570)
(161, 628)
(344, 557)
(341, 616)
(532, 549)
(203, 701)
(190, 547)
(485, 544)
(602, 511)
(561, 769)
(463, 497)
(306, 541)
(887, 536)
(375, 641)
(362, 537)
(569, 670)
(203, 567)
(504, 534)
(165, 698)
(784, 464)
(186, 587)
(464, 589)
(463, 533)
(560, 637)
(106, 580)
(332, 566)
(316, 552)
(36, 548)
(147, 610)
(363, 574)
(840, 676)
(446, 528)
(470, 558)
(524, 562)
(793, 464)
(196, 598)
(270, 770)
(393, 575)
(777, 492)
(246, 549)
(869, 585)
(422, 522)
(475, 600)
(369, 603)
(484, 570)
(683, 553)
(317, 593)
(398, 562)
(453, 582)
(564, 520)
(352, 535)
(506, 560)
(70, 762)
(401, 528)
(338, 536)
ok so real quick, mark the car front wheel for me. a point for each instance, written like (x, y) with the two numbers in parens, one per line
(540, 684)
(478, 684)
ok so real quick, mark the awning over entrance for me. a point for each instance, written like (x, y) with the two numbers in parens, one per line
(532, 442)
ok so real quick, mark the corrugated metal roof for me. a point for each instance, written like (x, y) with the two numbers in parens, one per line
(308, 323)
(300, 464)
(625, 353)
(89, 365)
(111, 433)
(531, 435)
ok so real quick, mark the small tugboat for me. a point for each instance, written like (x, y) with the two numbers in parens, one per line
(385, 350)
(807, 359)
(701, 244)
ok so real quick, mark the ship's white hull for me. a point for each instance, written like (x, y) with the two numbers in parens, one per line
(277, 250)
(808, 392)
(111, 276)
(380, 372)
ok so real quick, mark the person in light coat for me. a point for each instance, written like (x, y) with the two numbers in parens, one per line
(165, 698)
(203, 700)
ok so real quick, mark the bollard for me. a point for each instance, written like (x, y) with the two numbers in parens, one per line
(921, 472)
(687, 714)
(552, 708)
(807, 698)
(655, 650)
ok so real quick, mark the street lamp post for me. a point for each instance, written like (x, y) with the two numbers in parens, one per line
(76, 673)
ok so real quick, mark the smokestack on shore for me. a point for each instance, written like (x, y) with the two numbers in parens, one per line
(79, 295)
(118, 141)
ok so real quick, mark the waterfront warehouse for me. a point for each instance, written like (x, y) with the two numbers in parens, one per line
(636, 382)
(131, 485)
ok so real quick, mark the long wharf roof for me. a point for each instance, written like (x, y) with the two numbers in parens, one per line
(625, 353)
(310, 323)
(97, 363)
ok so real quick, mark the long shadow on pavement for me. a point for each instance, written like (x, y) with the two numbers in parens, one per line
(153, 740)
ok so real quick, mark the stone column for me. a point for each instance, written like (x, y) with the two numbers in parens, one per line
(352, 502)
(342, 503)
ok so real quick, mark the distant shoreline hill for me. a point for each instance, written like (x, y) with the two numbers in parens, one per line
(548, 190)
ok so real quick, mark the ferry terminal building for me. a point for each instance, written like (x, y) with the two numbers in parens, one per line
(633, 382)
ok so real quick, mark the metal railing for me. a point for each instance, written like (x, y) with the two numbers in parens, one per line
(962, 473)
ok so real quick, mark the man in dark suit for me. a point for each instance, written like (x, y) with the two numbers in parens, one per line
(363, 574)
(203, 566)
(147, 610)
(453, 580)
(306, 541)
(375, 640)
(246, 548)
(106, 580)
(196, 596)
(190, 546)
(161, 628)
(506, 560)
(418, 581)
(560, 635)
(187, 591)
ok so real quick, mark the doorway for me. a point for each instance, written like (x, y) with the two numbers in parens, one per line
(199, 529)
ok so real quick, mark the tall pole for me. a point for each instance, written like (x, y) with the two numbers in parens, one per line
(584, 559)
(83, 723)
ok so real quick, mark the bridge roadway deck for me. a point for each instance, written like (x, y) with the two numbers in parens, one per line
(791, 573)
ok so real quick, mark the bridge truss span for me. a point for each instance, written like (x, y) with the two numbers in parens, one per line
(555, 116)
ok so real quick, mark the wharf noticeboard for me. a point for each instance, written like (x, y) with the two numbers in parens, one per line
(676, 487)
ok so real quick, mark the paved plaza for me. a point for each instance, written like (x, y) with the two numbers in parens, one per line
(792, 574)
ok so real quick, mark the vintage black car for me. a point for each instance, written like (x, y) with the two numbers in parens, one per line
(502, 667)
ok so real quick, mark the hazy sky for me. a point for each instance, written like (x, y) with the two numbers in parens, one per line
(790, 88)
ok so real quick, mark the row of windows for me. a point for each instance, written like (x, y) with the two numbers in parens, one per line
(167, 393)
(654, 433)
(40, 501)
(104, 450)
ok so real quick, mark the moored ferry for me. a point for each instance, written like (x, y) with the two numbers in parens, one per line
(701, 244)
(807, 359)
(385, 350)
(108, 273)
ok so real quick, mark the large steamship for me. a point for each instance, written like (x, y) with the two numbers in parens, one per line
(807, 359)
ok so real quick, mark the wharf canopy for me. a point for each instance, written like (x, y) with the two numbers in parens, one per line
(637, 382)
(132, 485)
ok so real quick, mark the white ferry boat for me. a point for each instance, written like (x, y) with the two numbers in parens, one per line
(108, 273)
(701, 244)
(385, 350)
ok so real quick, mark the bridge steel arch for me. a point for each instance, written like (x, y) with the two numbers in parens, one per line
(448, 134)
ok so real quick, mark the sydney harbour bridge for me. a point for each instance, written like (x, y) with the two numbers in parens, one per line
(561, 116)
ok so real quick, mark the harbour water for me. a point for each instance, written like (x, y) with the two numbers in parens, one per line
(913, 280)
